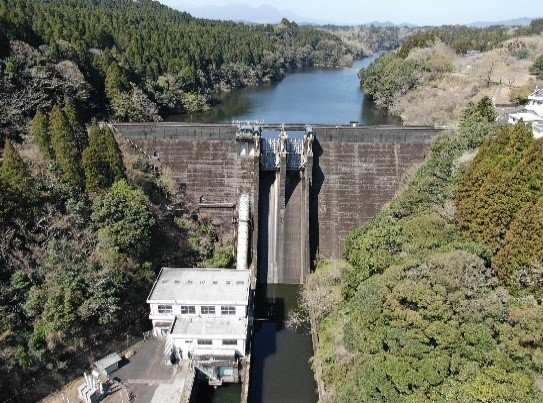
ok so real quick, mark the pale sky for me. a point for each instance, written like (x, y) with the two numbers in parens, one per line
(420, 12)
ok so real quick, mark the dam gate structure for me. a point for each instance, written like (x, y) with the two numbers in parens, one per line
(307, 186)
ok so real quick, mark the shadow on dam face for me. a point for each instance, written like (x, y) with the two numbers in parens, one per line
(265, 251)
(282, 239)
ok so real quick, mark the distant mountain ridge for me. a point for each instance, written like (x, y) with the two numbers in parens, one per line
(514, 22)
(388, 24)
(267, 14)
(264, 14)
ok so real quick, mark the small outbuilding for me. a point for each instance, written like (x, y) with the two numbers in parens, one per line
(108, 364)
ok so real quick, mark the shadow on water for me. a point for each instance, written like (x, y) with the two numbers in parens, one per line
(269, 320)
(280, 371)
(373, 114)
(227, 106)
(228, 393)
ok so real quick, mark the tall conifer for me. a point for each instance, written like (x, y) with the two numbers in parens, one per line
(114, 155)
(102, 159)
(13, 170)
(97, 171)
(39, 131)
(65, 147)
(78, 130)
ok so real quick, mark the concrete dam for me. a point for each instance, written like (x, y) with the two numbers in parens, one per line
(307, 186)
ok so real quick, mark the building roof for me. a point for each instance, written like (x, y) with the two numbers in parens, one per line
(196, 326)
(198, 286)
(107, 361)
(527, 117)
(227, 353)
(538, 93)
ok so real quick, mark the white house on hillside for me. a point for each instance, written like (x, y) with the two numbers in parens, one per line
(533, 113)
(203, 312)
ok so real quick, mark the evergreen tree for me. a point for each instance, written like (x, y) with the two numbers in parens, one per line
(116, 81)
(537, 68)
(114, 155)
(522, 251)
(124, 219)
(485, 107)
(10, 205)
(102, 159)
(78, 130)
(505, 175)
(13, 171)
(16, 193)
(97, 171)
(39, 131)
(65, 147)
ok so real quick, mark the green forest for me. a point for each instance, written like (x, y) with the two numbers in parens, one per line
(141, 60)
(441, 297)
(85, 224)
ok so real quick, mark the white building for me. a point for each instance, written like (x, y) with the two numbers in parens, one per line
(532, 114)
(203, 312)
(535, 102)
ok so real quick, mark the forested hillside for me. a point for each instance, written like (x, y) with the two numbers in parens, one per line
(366, 40)
(441, 301)
(141, 59)
(84, 228)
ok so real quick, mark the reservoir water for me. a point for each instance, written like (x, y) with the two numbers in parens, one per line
(309, 95)
(280, 371)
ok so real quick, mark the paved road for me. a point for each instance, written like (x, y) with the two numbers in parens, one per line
(149, 378)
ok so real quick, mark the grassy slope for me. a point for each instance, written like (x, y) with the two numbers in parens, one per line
(441, 99)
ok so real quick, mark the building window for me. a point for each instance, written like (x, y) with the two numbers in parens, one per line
(164, 309)
(187, 309)
(228, 310)
(202, 342)
(229, 342)
(208, 310)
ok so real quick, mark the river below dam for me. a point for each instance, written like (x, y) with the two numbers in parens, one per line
(280, 371)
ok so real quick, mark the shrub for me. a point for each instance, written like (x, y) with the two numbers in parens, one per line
(519, 95)
(389, 76)
(439, 64)
(537, 68)
(124, 220)
(221, 258)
